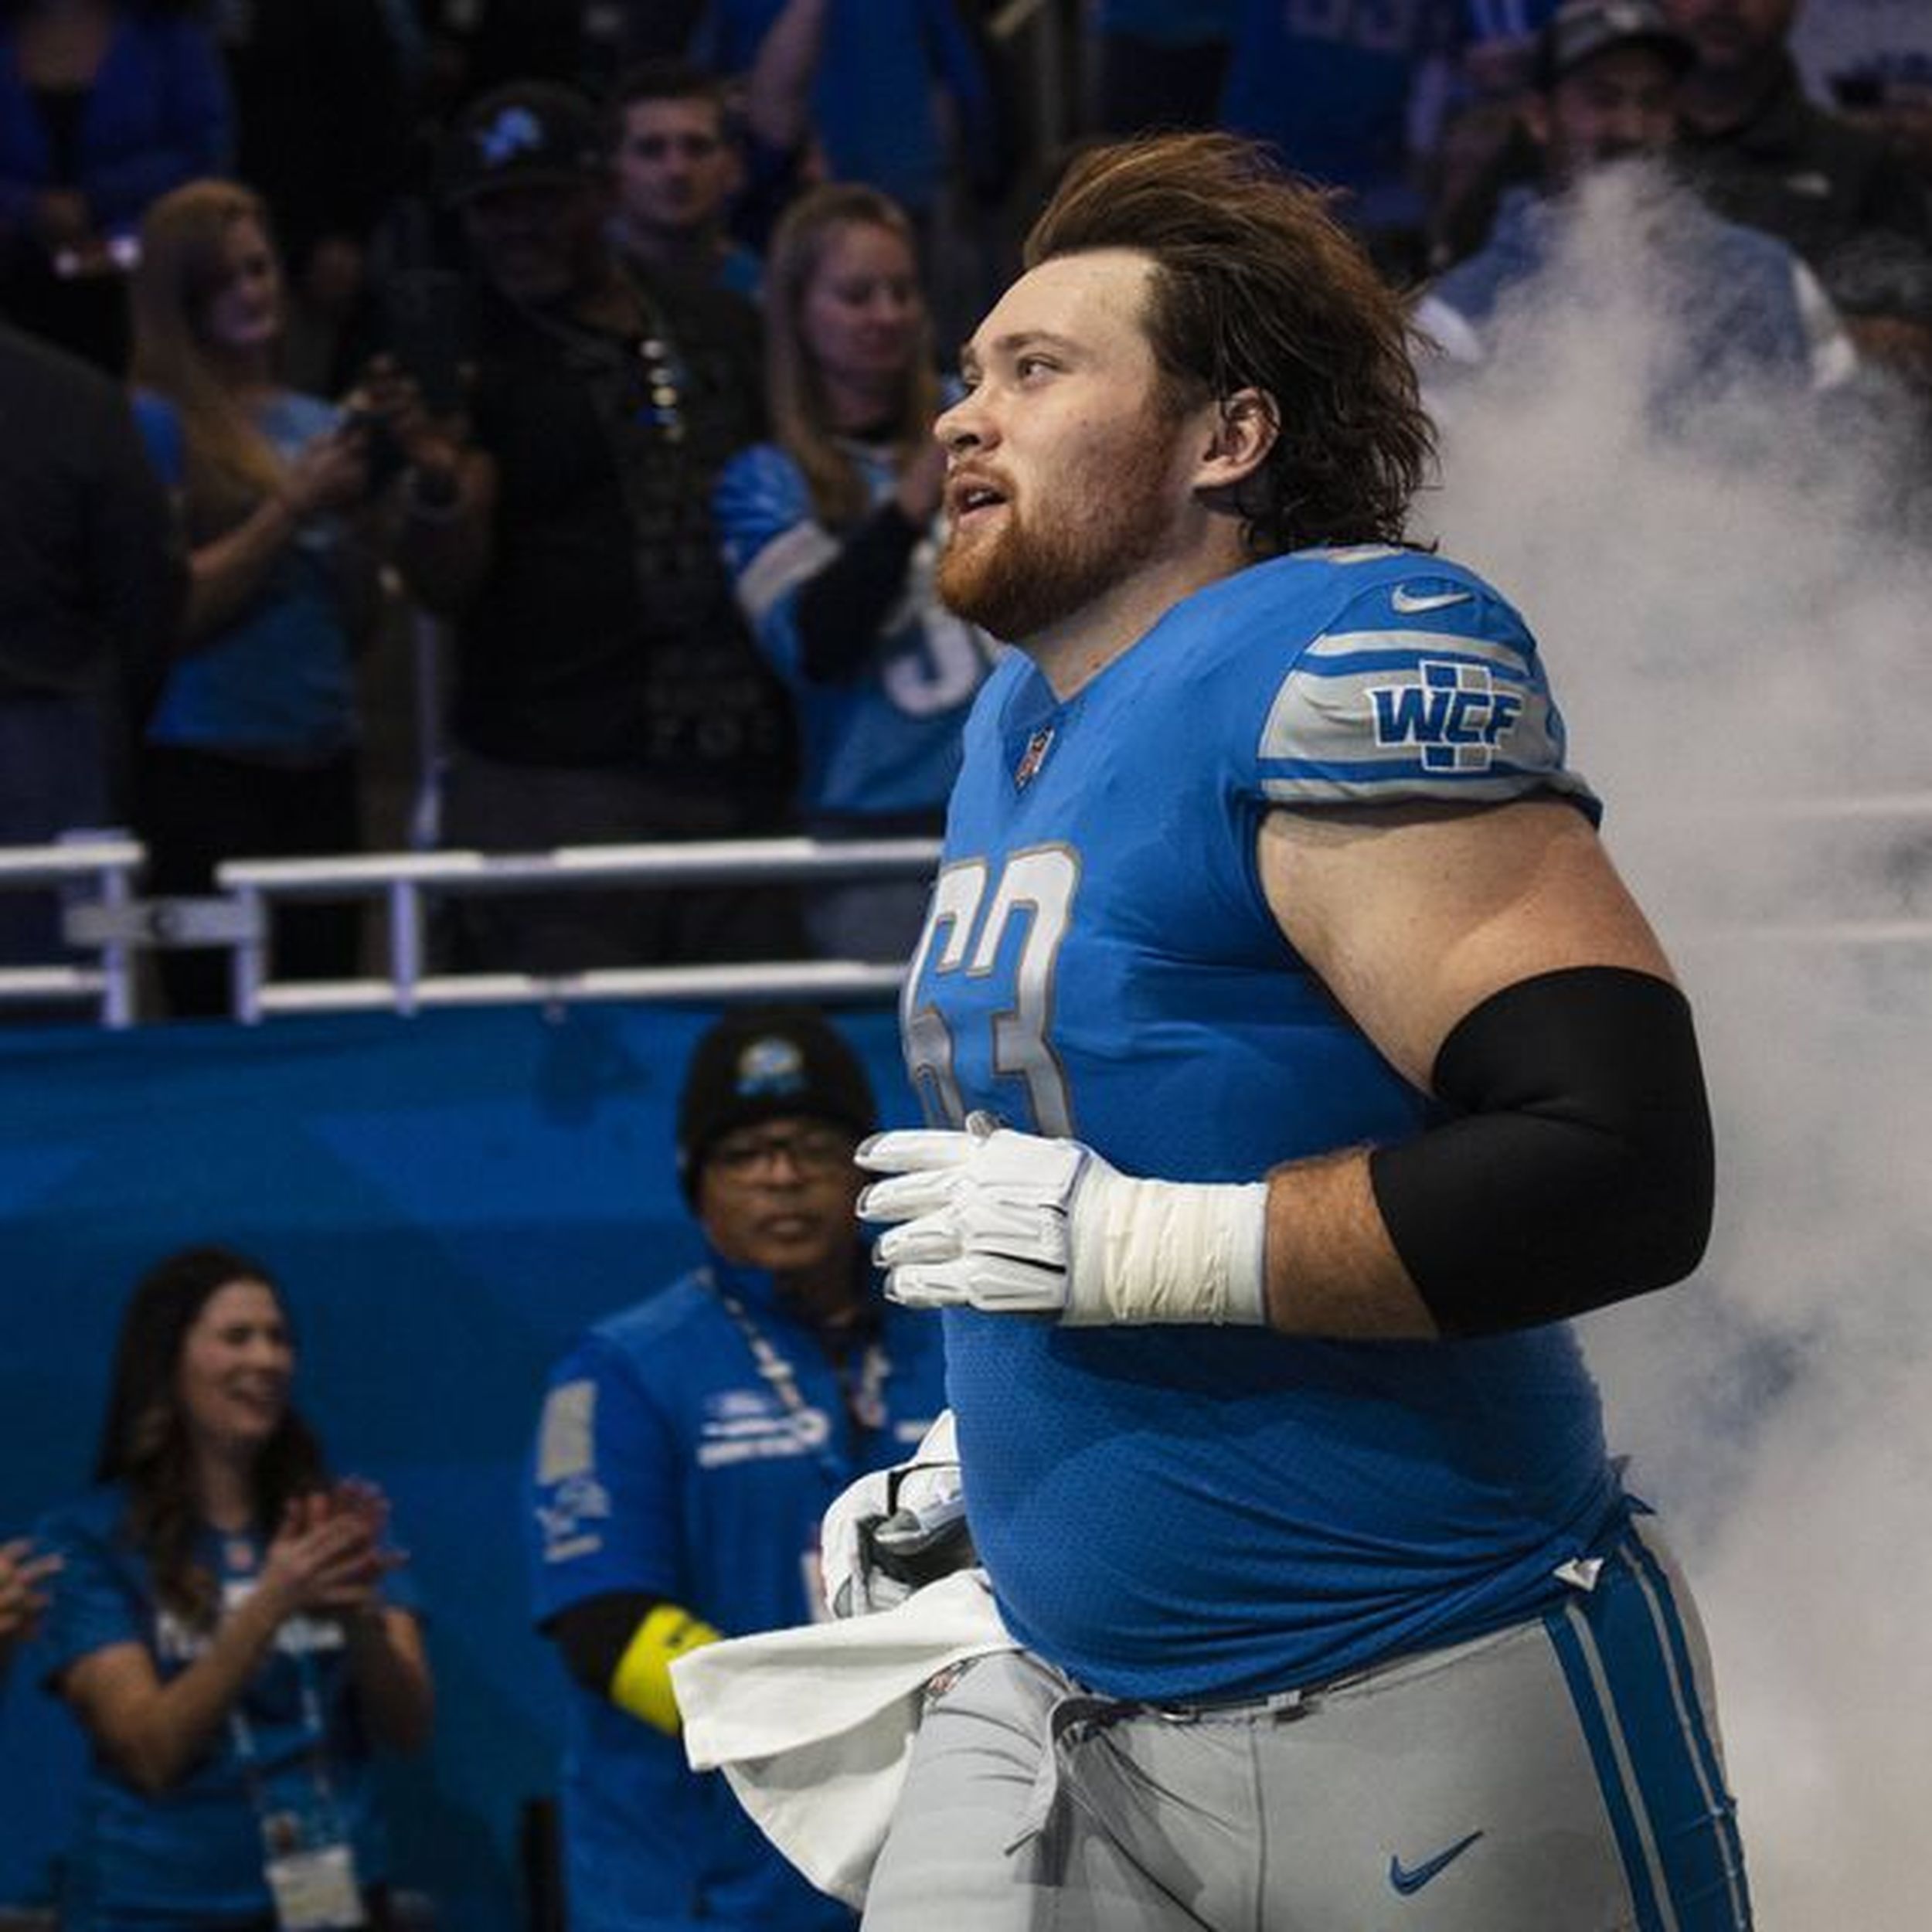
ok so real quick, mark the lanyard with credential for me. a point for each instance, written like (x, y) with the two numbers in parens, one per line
(238, 1565)
(308, 1861)
(281, 1831)
(865, 1404)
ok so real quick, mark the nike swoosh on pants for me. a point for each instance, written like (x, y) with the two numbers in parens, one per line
(1413, 1878)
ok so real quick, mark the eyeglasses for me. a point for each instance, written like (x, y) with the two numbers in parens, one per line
(814, 1151)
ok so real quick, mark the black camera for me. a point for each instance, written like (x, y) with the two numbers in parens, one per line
(387, 460)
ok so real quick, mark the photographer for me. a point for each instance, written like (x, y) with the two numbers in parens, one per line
(252, 749)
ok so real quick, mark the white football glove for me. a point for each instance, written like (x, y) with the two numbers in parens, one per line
(895, 1529)
(1013, 1223)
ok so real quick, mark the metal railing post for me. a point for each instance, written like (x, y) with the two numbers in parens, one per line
(250, 966)
(116, 958)
(405, 942)
(99, 925)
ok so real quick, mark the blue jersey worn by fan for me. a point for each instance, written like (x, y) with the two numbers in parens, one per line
(1101, 963)
(884, 68)
(295, 1743)
(884, 741)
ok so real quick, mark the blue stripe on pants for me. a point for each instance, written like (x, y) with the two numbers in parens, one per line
(1627, 1659)
(1567, 1631)
(1722, 1850)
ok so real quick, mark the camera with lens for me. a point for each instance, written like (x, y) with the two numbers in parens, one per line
(387, 460)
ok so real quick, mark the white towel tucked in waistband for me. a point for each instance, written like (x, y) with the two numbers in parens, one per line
(814, 1726)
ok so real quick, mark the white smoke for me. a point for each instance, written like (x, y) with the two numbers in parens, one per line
(1736, 623)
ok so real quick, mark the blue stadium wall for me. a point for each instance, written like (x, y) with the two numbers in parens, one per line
(446, 1200)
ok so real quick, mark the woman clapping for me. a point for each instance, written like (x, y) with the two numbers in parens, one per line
(227, 1629)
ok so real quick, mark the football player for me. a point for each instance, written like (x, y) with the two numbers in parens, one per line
(1296, 1066)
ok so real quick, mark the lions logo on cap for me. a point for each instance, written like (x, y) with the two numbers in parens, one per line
(771, 1065)
(514, 131)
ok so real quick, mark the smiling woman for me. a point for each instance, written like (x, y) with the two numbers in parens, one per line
(251, 747)
(832, 530)
(227, 1629)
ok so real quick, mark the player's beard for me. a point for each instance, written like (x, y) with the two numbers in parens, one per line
(1019, 580)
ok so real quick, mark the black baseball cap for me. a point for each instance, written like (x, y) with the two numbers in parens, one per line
(1580, 30)
(527, 133)
(765, 1063)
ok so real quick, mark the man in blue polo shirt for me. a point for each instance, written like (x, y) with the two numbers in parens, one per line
(689, 1447)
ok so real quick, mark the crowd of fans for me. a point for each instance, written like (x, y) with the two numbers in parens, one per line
(609, 334)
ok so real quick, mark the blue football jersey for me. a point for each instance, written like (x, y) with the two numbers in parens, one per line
(884, 741)
(1189, 1513)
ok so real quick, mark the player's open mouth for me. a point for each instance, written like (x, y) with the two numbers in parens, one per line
(968, 499)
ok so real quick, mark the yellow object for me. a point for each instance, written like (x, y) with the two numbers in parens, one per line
(642, 1682)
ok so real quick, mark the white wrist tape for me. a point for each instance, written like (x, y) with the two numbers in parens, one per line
(1148, 1251)
(1015, 1223)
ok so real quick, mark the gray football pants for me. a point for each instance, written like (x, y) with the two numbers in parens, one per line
(1563, 1775)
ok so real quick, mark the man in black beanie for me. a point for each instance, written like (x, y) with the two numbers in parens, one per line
(687, 1449)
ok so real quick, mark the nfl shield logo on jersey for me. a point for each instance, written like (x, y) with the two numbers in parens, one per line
(1033, 757)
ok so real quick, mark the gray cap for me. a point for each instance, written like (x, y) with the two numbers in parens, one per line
(1580, 30)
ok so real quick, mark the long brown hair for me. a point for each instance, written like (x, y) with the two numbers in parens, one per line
(231, 465)
(800, 413)
(1255, 285)
(145, 1443)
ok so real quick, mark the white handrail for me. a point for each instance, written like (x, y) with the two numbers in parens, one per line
(812, 981)
(402, 878)
(75, 859)
(111, 862)
(686, 863)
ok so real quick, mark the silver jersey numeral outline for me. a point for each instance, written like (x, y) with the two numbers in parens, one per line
(965, 930)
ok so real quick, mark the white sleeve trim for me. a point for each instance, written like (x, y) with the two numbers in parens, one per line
(785, 563)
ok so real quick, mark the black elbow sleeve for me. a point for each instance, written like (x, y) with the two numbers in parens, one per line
(1576, 1165)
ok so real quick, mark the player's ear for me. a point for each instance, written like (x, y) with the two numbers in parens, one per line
(1245, 426)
